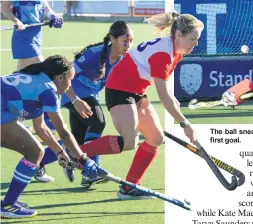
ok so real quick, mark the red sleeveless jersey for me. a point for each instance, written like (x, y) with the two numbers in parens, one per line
(134, 73)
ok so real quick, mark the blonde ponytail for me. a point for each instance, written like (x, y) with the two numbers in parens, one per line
(174, 21)
(163, 21)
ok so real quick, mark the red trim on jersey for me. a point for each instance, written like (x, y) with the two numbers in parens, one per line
(161, 65)
(125, 77)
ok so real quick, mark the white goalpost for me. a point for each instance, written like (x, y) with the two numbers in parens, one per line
(169, 121)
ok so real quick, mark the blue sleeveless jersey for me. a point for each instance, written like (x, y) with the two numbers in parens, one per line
(26, 96)
(85, 82)
(27, 43)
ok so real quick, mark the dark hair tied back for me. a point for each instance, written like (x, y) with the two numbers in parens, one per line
(117, 29)
(52, 66)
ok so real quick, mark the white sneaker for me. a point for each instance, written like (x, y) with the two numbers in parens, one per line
(41, 175)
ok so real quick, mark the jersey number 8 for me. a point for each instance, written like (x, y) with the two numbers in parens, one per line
(141, 47)
(15, 80)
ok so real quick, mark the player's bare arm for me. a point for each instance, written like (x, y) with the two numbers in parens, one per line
(48, 138)
(81, 106)
(65, 135)
(8, 13)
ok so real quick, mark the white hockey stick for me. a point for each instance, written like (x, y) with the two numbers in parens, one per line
(194, 104)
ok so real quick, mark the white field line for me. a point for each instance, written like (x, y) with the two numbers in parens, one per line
(50, 48)
(55, 48)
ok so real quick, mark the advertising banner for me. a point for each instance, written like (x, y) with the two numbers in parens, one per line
(211, 76)
(148, 8)
(96, 7)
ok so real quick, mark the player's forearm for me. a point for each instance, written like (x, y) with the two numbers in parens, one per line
(70, 142)
(48, 10)
(48, 138)
(71, 94)
(168, 100)
(7, 13)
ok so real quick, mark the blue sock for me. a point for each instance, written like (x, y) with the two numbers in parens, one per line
(89, 137)
(49, 156)
(46, 116)
(23, 174)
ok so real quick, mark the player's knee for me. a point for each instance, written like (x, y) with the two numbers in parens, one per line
(39, 154)
(130, 143)
(158, 139)
(35, 156)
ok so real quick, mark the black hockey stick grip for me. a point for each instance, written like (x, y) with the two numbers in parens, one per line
(12, 27)
(49, 23)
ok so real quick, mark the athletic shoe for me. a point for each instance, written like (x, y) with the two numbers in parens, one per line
(87, 182)
(69, 174)
(22, 204)
(132, 194)
(15, 211)
(41, 175)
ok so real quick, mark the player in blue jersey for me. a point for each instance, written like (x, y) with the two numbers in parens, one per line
(27, 94)
(27, 43)
(93, 65)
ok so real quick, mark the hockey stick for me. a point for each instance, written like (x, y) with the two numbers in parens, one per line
(229, 186)
(246, 96)
(194, 104)
(12, 27)
(186, 204)
(219, 163)
(213, 163)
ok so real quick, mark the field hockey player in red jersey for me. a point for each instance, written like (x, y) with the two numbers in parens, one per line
(130, 109)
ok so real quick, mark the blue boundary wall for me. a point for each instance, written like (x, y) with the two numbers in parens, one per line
(228, 26)
(210, 77)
